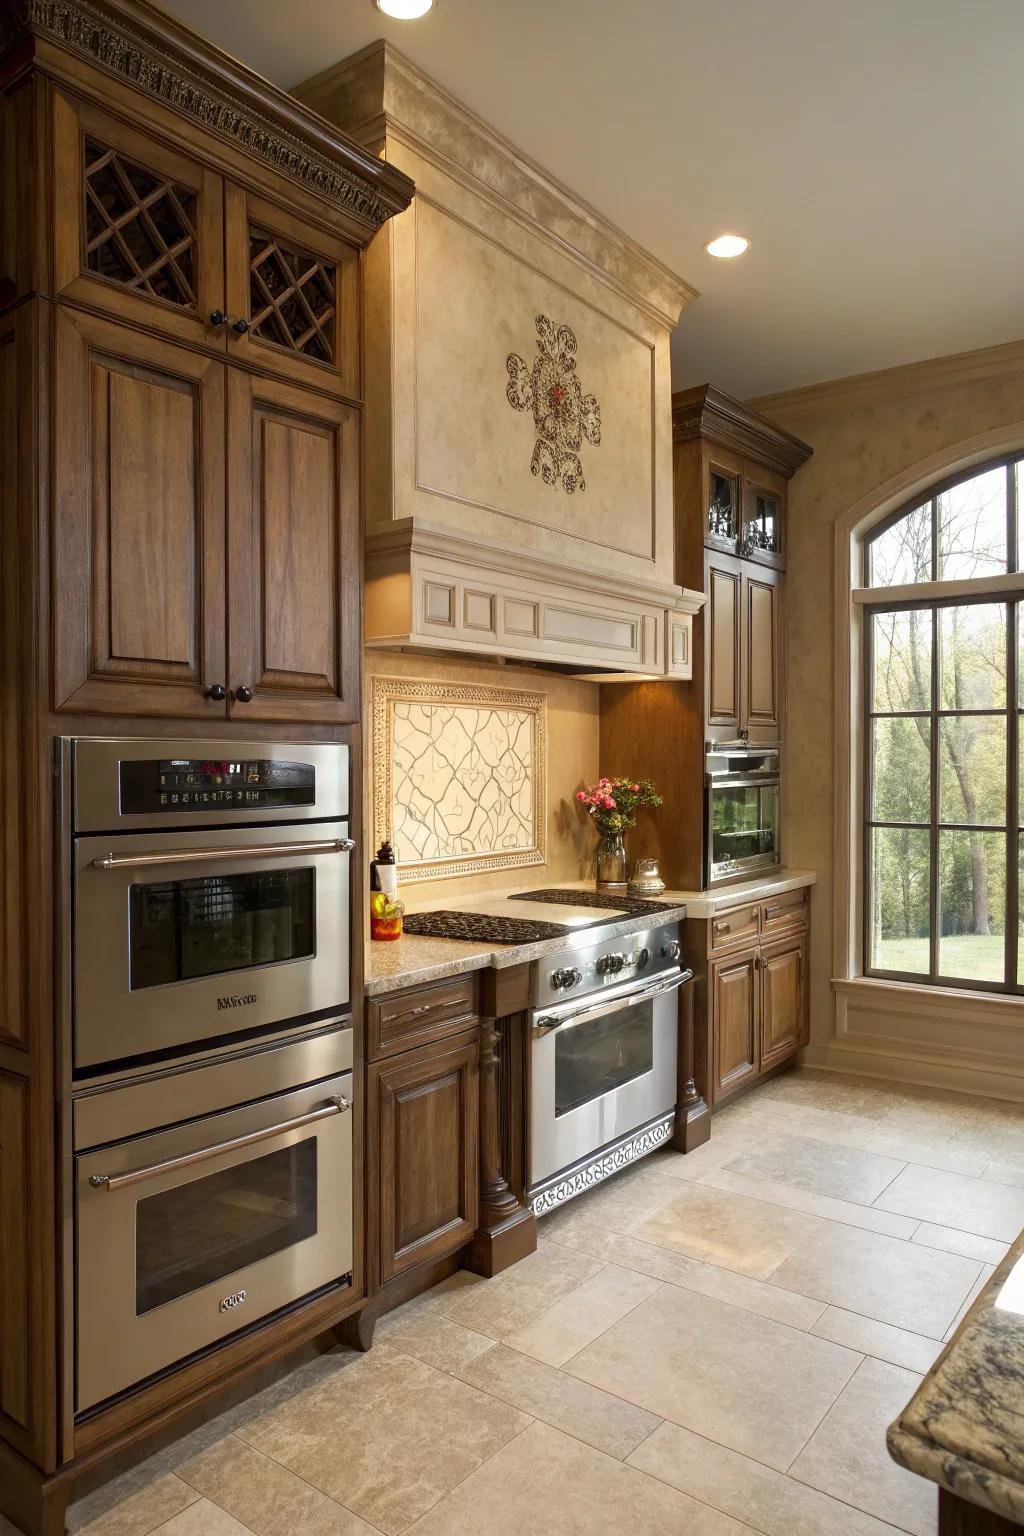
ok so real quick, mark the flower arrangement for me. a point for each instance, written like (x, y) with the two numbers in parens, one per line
(614, 803)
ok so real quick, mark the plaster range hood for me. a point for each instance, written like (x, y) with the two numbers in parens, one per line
(497, 303)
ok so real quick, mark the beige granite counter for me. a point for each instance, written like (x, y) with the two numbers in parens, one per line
(964, 1427)
(710, 903)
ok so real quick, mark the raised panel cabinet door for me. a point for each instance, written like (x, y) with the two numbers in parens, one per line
(722, 631)
(762, 655)
(783, 995)
(138, 509)
(424, 1139)
(138, 227)
(293, 540)
(292, 295)
(735, 1006)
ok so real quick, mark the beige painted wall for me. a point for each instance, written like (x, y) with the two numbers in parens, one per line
(572, 727)
(871, 435)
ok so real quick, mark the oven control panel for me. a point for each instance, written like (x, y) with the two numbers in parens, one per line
(597, 966)
(175, 784)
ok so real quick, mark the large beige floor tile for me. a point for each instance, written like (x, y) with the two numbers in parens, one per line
(987, 1271)
(846, 1456)
(1006, 1173)
(432, 1337)
(818, 1166)
(767, 1500)
(950, 1200)
(514, 1298)
(883, 1137)
(265, 1496)
(731, 1230)
(841, 1092)
(204, 1519)
(387, 1436)
(881, 1277)
(950, 1240)
(896, 1345)
(629, 1252)
(617, 1201)
(547, 1481)
(827, 1207)
(604, 1421)
(745, 1381)
(115, 1511)
(754, 1296)
(581, 1316)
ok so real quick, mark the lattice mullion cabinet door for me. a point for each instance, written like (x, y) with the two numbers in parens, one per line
(138, 228)
(292, 295)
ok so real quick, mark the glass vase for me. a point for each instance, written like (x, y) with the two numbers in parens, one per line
(611, 862)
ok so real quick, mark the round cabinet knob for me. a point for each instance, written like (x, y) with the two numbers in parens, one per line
(672, 949)
(243, 695)
(609, 965)
(570, 976)
(218, 318)
(240, 325)
(216, 692)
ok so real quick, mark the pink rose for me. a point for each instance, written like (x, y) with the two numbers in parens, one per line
(609, 803)
(636, 786)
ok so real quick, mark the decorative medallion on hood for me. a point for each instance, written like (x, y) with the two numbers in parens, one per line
(563, 415)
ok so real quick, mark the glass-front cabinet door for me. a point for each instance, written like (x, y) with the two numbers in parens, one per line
(722, 520)
(762, 537)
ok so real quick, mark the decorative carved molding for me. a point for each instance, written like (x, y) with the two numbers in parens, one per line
(106, 39)
(604, 1165)
(710, 413)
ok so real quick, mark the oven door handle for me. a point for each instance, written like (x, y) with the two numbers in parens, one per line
(115, 1181)
(546, 1024)
(207, 855)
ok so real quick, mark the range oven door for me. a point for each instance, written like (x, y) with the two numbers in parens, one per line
(185, 1236)
(184, 937)
(601, 1069)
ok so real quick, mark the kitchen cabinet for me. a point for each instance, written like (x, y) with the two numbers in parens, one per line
(734, 990)
(783, 974)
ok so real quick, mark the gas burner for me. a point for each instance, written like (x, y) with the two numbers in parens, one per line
(482, 926)
(632, 906)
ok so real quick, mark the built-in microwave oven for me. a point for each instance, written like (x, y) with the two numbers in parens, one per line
(742, 808)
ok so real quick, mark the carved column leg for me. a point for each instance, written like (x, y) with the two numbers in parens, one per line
(357, 1330)
(507, 1230)
(693, 1118)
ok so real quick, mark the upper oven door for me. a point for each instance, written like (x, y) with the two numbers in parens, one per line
(125, 785)
(743, 827)
(188, 936)
(601, 1070)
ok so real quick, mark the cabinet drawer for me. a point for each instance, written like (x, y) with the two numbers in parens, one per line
(738, 926)
(421, 1014)
(785, 913)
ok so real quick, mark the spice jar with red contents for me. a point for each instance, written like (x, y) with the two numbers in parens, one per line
(385, 908)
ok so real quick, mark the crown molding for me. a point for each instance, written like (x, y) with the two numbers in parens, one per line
(379, 92)
(153, 53)
(709, 413)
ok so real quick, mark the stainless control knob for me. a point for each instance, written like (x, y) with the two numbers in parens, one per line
(642, 959)
(609, 965)
(672, 949)
(569, 976)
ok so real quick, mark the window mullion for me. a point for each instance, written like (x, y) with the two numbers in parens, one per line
(933, 894)
(1012, 800)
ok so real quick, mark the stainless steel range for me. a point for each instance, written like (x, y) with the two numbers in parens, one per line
(603, 1081)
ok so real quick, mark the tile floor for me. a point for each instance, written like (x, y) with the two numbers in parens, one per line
(709, 1346)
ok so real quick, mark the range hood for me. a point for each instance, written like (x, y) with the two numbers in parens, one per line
(518, 444)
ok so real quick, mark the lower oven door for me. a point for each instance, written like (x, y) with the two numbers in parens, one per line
(188, 1235)
(601, 1071)
(182, 937)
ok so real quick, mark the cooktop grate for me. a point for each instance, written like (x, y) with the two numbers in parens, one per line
(481, 925)
(632, 906)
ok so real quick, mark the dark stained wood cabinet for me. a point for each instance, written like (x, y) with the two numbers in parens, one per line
(424, 1162)
(723, 621)
(763, 683)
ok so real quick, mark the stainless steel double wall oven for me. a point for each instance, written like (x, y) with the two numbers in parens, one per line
(211, 1043)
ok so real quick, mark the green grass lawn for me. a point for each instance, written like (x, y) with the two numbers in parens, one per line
(967, 956)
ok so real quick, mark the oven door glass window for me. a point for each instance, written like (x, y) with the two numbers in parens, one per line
(744, 825)
(193, 1234)
(596, 1058)
(183, 929)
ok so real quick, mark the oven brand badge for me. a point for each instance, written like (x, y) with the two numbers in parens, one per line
(231, 1302)
(236, 1000)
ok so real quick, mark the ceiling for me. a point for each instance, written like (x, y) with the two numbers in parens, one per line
(870, 151)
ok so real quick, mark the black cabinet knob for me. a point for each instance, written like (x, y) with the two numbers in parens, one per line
(216, 692)
(240, 325)
(218, 318)
(243, 695)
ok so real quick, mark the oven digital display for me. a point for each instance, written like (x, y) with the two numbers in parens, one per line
(201, 784)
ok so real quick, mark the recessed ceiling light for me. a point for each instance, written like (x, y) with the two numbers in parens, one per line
(404, 10)
(727, 246)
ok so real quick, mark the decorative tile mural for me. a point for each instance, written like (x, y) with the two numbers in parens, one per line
(458, 776)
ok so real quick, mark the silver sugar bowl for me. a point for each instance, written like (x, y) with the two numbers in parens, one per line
(645, 880)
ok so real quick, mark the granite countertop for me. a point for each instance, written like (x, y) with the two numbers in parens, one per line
(412, 959)
(964, 1426)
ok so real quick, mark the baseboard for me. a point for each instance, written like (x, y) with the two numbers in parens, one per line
(926, 1069)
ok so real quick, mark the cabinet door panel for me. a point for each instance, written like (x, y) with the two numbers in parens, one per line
(295, 288)
(424, 1145)
(723, 646)
(735, 1005)
(138, 228)
(138, 607)
(763, 651)
(293, 529)
(783, 983)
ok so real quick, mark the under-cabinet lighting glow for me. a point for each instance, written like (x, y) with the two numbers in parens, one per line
(727, 246)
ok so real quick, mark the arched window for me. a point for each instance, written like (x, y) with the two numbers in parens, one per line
(944, 771)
